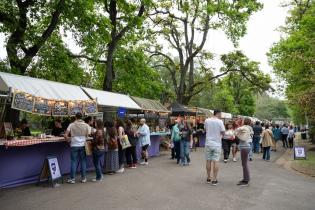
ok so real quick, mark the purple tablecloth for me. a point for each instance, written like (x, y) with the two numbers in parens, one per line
(202, 139)
(154, 149)
(22, 165)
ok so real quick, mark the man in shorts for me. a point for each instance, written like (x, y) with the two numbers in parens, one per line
(145, 142)
(214, 131)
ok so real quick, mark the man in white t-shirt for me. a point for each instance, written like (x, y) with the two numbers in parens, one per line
(79, 131)
(214, 131)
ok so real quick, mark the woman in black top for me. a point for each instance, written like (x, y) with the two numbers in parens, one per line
(57, 129)
(25, 128)
(131, 154)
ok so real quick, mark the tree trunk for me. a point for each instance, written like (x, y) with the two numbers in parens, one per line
(109, 71)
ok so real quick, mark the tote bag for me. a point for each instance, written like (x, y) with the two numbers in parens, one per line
(124, 142)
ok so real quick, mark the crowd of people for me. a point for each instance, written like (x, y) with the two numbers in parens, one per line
(245, 136)
(107, 145)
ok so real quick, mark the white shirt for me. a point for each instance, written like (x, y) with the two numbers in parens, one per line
(79, 131)
(214, 127)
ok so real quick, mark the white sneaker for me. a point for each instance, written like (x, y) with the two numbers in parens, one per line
(83, 180)
(225, 161)
(71, 181)
(144, 163)
(234, 160)
(121, 170)
(97, 180)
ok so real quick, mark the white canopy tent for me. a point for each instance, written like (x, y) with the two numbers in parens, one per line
(109, 99)
(41, 88)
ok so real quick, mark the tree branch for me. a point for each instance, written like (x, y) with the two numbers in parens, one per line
(130, 24)
(86, 57)
(49, 30)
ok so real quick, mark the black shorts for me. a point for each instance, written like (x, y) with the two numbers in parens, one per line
(145, 147)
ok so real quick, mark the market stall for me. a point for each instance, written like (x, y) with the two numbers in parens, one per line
(22, 158)
(156, 116)
(201, 115)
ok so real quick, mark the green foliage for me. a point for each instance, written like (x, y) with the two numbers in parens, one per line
(135, 77)
(54, 63)
(293, 59)
(223, 99)
(178, 22)
(270, 108)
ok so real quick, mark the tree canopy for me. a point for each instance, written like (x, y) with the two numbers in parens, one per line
(146, 48)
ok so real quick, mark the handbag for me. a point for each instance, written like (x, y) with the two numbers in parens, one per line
(88, 148)
(124, 142)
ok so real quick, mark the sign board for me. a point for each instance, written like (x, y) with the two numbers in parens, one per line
(299, 153)
(50, 171)
(75, 107)
(60, 108)
(90, 107)
(54, 168)
(121, 112)
(42, 106)
(23, 101)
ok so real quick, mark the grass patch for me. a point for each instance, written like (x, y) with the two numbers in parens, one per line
(306, 166)
(309, 162)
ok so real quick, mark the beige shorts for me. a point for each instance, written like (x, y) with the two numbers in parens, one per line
(213, 153)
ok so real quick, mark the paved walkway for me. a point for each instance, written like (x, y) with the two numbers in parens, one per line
(164, 185)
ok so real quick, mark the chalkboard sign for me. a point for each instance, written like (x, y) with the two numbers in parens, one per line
(60, 108)
(90, 107)
(42, 106)
(75, 107)
(23, 101)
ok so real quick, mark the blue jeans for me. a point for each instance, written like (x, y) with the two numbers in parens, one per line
(184, 151)
(250, 154)
(266, 155)
(177, 150)
(98, 155)
(78, 153)
(256, 144)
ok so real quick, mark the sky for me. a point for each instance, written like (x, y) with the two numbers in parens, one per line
(261, 34)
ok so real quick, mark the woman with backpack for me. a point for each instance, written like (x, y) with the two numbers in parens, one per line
(131, 152)
(245, 135)
(111, 162)
(98, 149)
